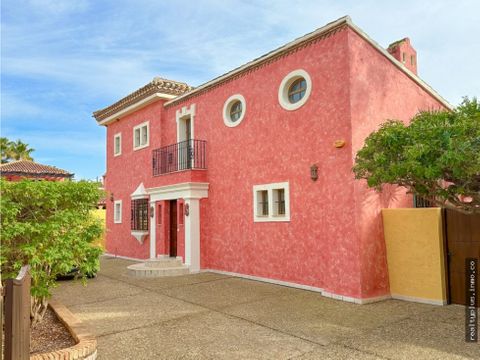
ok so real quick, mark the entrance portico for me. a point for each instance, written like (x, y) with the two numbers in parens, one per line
(191, 193)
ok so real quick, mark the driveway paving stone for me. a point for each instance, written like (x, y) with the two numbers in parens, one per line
(212, 316)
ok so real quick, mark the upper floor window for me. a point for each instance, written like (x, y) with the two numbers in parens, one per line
(117, 144)
(141, 136)
(117, 211)
(297, 90)
(294, 89)
(234, 110)
(271, 202)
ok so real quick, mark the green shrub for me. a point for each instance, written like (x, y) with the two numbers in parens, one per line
(436, 156)
(49, 226)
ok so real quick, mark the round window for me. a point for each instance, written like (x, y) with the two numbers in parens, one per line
(294, 89)
(297, 90)
(234, 110)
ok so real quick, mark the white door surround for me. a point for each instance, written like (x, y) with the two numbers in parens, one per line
(191, 193)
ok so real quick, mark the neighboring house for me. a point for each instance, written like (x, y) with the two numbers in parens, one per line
(250, 173)
(27, 169)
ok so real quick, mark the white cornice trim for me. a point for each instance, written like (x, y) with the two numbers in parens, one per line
(138, 105)
(188, 190)
(267, 56)
(343, 20)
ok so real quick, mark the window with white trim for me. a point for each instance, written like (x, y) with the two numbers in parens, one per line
(117, 211)
(271, 202)
(141, 136)
(117, 144)
(234, 110)
(294, 90)
(139, 214)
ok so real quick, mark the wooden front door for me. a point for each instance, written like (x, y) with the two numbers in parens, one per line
(173, 228)
(463, 241)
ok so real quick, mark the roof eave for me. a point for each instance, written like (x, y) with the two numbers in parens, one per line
(329, 27)
(399, 65)
(133, 107)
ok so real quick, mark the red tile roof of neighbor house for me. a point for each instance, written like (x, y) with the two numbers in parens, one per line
(31, 168)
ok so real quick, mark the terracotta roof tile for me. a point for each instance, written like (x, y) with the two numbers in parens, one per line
(27, 167)
(157, 85)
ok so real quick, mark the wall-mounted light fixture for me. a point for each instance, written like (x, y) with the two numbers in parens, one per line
(111, 197)
(314, 172)
(339, 143)
(187, 209)
(152, 211)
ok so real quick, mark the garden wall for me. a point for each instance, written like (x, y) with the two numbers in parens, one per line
(415, 254)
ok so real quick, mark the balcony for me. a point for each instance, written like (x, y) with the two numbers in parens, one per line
(185, 155)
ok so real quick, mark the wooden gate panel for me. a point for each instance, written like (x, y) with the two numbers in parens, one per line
(463, 241)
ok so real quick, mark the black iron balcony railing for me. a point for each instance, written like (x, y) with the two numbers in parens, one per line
(185, 155)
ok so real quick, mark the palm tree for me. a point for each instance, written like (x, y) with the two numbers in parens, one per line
(14, 150)
(5, 149)
(21, 151)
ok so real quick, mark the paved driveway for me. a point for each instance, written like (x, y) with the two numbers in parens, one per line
(211, 316)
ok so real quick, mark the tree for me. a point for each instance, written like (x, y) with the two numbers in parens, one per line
(5, 149)
(21, 151)
(436, 156)
(48, 225)
(15, 150)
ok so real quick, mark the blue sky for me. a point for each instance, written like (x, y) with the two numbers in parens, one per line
(63, 59)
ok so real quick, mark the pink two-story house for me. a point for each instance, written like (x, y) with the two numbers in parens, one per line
(250, 173)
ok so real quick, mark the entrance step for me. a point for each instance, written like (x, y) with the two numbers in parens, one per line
(164, 262)
(164, 266)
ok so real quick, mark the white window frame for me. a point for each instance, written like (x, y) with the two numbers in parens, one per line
(140, 126)
(227, 106)
(285, 86)
(115, 137)
(117, 220)
(271, 217)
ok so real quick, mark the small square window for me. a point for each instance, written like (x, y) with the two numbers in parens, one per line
(141, 136)
(117, 144)
(271, 202)
(117, 212)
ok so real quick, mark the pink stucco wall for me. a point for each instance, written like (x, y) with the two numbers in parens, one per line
(334, 239)
(378, 91)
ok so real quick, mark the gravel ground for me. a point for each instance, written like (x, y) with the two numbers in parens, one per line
(50, 335)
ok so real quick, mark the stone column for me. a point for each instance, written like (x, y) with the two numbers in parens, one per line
(153, 227)
(192, 234)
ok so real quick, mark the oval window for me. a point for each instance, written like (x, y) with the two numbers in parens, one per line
(297, 90)
(294, 90)
(234, 110)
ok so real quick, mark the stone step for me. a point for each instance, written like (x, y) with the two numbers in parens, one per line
(141, 270)
(164, 262)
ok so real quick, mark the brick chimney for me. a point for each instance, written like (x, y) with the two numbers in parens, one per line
(403, 51)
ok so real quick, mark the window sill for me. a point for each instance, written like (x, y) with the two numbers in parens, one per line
(271, 219)
(141, 147)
